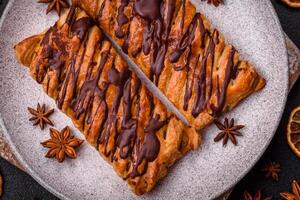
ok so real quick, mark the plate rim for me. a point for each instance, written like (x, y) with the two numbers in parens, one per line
(286, 92)
(35, 176)
(13, 148)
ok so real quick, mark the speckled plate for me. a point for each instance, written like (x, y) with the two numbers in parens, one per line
(251, 25)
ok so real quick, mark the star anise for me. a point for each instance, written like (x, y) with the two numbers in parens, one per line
(295, 195)
(55, 4)
(228, 131)
(272, 169)
(62, 144)
(257, 196)
(41, 116)
(214, 2)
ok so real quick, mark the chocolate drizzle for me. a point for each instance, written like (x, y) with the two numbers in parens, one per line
(121, 18)
(185, 45)
(90, 89)
(128, 135)
(185, 41)
(118, 79)
(70, 18)
(81, 26)
(204, 81)
(82, 101)
(46, 38)
(54, 57)
(149, 150)
(148, 9)
(101, 10)
(56, 63)
(79, 29)
(221, 94)
(189, 86)
(158, 26)
(201, 84)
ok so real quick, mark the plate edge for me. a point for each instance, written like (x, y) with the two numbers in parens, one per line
(35, 175)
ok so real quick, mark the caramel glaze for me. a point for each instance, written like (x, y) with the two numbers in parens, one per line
(130, 145)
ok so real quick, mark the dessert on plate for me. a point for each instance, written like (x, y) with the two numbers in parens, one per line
(180, 52)
(131, 129)
(175, 47)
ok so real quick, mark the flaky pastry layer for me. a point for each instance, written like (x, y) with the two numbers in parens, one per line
(130, 128)
(180, 52)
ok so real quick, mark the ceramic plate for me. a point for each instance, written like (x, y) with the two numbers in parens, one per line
(250, 25)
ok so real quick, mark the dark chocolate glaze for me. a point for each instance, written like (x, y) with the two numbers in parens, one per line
(136, 52)
(201, 84)
(221, 94)
(185, 41)
(185, 45)
(121, 18)
(90, 89)
(56, 63)
(137, 148)
(204, 81)
(128, 135)
(46, 38)
(148, 9)
(150, 147)
(79, 29)
(126, 43)
(101, 10)
(54, 57)
(70, 19)
(189, 84)
(46, 53)
(81, 26)
(118, 79)
(183, 16)
(158, 17)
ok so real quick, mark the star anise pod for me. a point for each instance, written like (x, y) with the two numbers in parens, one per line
(295, 195)
(214, 2)
(62, 144)
(55, 4)
(228, 131)
(257, 196)
(272, 169)
(40, 115)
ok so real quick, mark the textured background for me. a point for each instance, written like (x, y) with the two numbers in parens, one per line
(18, 185)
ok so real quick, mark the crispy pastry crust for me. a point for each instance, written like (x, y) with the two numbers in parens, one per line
(132, 130)
(179, 50)
(176, 48)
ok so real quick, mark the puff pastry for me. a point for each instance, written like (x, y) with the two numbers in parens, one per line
(132, 130)
(180, 52)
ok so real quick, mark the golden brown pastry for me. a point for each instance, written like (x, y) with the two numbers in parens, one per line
(180, 52)
(132, 130)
